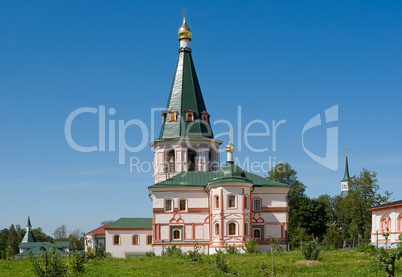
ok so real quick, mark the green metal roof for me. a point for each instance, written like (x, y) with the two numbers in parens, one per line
(185, 94)
(29, 222)
(230, 173)
(202, 178)
(31, 245)
(344, 193)
(28, 237)
(131, 223)
(346, 177)
(40, 248)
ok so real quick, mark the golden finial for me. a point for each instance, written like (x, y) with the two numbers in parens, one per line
(346, 150)
(230, 147)
(184, 31)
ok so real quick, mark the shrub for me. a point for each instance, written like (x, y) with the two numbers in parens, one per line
(49, 264)
(150, 254)
(310, 250)
(220, 262)
(195, 255)
(251, 247)
(76, 262)
(230, 249)
(172, 251)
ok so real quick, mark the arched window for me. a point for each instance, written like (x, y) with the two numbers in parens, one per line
(168, 205)
(246, 202)
(400, 222)
(172, 113)
(176, 234)
(257, 233)
(149, 239)
(170, 160)
(216, 229)
(205, 117)
(232, 229)
(213, 160)
(385, 223)
(216, 202)
(116, 240)
(136, 240)
(191, 160)
(246, 229)
(190, 115)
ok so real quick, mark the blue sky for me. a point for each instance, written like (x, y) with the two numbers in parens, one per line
(278, 60)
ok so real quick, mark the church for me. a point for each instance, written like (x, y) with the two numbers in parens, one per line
(194, 199)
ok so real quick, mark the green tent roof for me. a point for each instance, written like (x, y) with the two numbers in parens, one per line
(202, 178)
(185, 94)
(346, 177)
(59, 244)
(131, 223)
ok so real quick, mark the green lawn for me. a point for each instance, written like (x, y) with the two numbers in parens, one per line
(332, 263)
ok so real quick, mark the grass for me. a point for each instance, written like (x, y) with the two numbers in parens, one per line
(345, 262)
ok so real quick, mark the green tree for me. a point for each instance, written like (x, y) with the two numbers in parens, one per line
(3, 242)
(12, 240)
(77, 240)
(312, 216)
(40, 235)
(352, 213)
(106, 221)
(61, 234)
(285, 174)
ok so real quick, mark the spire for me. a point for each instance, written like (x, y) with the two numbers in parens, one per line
(346, 177)
(186, 115)
(29, 223)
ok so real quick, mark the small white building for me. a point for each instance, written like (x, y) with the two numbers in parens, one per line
(385, 216)
(129, 237)
(96, 238)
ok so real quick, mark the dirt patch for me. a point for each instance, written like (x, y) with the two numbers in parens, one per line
(307, 262)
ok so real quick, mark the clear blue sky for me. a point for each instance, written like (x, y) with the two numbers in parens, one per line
(279, 60)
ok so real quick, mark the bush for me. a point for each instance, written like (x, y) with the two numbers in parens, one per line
(195, 256)
(251, 247)
(172, 251)
(49, 264)
(76, 262)
(310, 250)
(220, 262)
(150, 254)
(230, 249)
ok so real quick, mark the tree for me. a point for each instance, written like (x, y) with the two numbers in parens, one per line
(3, 242)
(77, 240)
(40, 235)
(351, 211)
(12, 240)
(285, 174)
(312, 216)
(60, 233)
(106, 221)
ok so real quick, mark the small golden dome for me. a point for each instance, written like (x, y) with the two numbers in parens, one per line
(230, 147)
(184, 31)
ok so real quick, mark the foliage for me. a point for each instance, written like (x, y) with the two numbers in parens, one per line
(76, 262)
(251, 247)
(61, 233)
(275, 247)
(230, 249)
(77, 240)
(220, 262)
(195, 255)
(49, 264)
(310, 250)
(387, 257)
(150, 254)
(12, 240)
(106, 221)
(97, 252)
(333, 236)
(299, 236)
(40, 235)
(263, 269)
(312, 216)
(172, 251)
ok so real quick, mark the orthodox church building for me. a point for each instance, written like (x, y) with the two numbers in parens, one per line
(194, 199)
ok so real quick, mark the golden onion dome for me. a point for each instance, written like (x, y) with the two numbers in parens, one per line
(230, 147)
(184, 31)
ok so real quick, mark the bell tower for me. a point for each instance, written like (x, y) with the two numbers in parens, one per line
(346, 178)
(186, 141)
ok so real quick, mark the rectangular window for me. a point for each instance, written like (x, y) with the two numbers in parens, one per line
(257, 204)
(183, 205)
(232, 201)
(246, 202)
(168, 205)
(217, 202)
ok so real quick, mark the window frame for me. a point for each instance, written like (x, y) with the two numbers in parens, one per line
(260, 204)
(147, 240)
(171, 205)
(254, 230)
(217, 228)
(216, 202)
(138, 239)
(232, 223)
(185, 204)
(114, 239)
(234, 201)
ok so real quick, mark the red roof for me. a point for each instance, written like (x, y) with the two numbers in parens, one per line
(99, 230)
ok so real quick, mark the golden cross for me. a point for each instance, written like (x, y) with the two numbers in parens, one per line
(230, 135)
(184, 12)
(346, 150)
